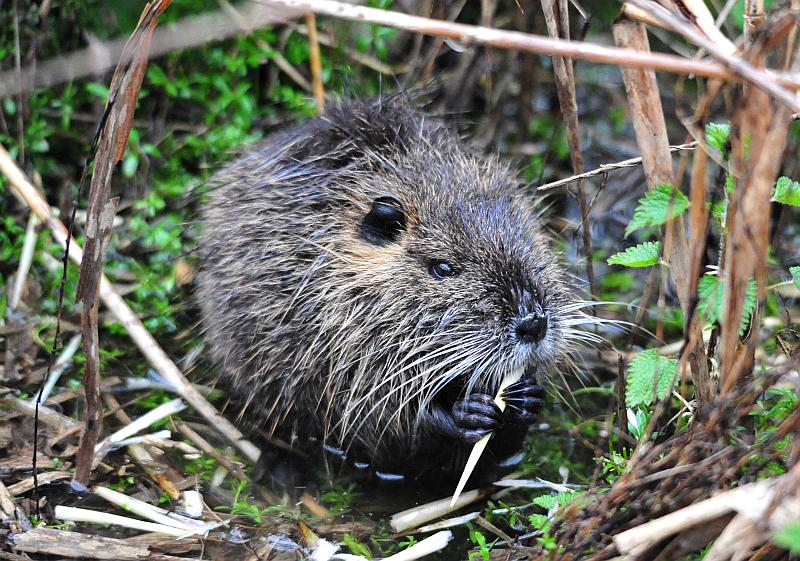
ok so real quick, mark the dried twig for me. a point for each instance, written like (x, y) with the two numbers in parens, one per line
(759, 77)
(605, 168)
(760, 133)
(25, 260)
(74, 545)
(514, 40)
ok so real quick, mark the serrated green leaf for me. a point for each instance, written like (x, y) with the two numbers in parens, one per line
(787, 192)
(647, 372)
(795, 272)
(549, 502)
(642, 255)
(717, 135)
(709, 292)
(788, 537)
(661, 203)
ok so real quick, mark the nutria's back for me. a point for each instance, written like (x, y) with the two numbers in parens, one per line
(363, 272)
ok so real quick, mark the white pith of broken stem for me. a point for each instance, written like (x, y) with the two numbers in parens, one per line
(61, 364)
(413, 517)
(143, 509)
(25, 260)
(429, 545)
(73, 514)
(162, 411)
(480, 446)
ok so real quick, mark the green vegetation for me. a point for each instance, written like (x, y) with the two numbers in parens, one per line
(199, 107)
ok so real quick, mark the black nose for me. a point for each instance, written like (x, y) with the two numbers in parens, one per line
(532, 328)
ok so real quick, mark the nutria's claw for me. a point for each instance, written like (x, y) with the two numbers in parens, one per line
(524, 399)
(476, 416)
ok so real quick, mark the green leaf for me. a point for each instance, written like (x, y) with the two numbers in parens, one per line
(549, 502)
(795, 272)
(356, 547)
(717, 135)
(787, 192)
(789, 537)
(710, 290)
(642, 255)
(661, 203)
(647, 372)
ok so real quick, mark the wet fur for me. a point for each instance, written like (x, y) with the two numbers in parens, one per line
(326, 335)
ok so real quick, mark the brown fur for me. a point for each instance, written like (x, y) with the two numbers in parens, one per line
(328, 336)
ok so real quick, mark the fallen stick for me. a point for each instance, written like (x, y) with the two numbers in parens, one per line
(153, 416)
(143, 509)
(25, 260)
(61, 364)
(44, 479)
(58, 421)
(692, 515)
(155, 355)
(74, 545)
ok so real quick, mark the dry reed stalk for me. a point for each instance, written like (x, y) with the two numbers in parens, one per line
(556, 17)
(696, 14)
(761, 129)
(315, 61)
(101, 55)
(651, 136)
(108, 149)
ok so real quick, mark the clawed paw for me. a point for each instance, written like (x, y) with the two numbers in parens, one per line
(524, 400)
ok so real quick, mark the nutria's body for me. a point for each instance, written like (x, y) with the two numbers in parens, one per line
(368, 280)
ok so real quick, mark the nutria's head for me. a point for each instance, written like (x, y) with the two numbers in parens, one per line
(454, 280)
(368, 264)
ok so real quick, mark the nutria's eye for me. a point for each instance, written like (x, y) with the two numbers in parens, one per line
(441, 269)
(384, 221)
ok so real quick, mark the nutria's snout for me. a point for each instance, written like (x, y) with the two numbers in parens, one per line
(532, 328)
(367, 282)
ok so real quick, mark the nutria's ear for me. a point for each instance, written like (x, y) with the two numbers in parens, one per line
(385, 221)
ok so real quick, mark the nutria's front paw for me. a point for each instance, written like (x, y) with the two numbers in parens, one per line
(524, 400)
(476, 416)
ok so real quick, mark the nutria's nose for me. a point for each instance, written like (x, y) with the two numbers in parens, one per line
(532, 328)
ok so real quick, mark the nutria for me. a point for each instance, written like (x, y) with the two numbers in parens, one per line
(367, 281)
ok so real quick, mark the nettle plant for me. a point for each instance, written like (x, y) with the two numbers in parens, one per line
(651, 376)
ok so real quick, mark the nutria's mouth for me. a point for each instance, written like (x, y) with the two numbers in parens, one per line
(530, 371)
